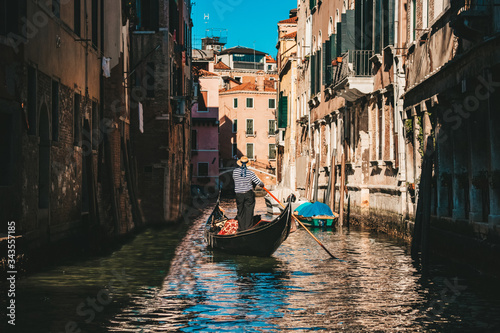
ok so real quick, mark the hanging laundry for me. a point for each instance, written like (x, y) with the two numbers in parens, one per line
(141, 120)
(106, 71)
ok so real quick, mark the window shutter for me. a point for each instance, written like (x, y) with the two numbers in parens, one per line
(283, 112)
(249, 126)
(390, 19)
(323, 61)
(313, 72)
(250, 150)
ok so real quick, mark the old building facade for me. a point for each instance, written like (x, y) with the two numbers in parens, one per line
(392, 87)
(205, 131)
(161, 115)
(451, 120)
(247, 108)
(287, 97)
(69, 111)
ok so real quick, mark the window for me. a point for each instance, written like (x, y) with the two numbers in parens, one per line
(269, 67)
(235, 125)
(235, 103)
(237, 78)
(425, 14)
(77, 17)
(202, 169)
(95, 24)
(9, 14)
(307, 45)
(32, 87)
(234, 149)
(250, 103)
(272, 103)
(76, 120)
(413, 24)
(272, 127)
(150, 80)
(56, 8)
(194, 139)
(250, 151)
(272, 151)
(249, 127)
(55, 110)
(150, 17)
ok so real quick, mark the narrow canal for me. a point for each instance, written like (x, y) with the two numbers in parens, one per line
(156, 283)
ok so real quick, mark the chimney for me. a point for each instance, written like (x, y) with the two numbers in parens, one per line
(260, 83)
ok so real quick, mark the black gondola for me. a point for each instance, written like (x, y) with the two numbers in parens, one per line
(260, 240)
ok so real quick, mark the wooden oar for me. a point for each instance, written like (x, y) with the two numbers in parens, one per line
(303, 226)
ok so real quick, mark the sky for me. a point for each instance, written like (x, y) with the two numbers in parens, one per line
(248, 23)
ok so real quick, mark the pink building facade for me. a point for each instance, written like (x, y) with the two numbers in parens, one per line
(205, 132)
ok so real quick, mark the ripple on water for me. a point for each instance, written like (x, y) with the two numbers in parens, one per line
(374, 288)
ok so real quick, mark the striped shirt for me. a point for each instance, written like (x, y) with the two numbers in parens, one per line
(243, 184)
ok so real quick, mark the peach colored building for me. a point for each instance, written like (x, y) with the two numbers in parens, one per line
(247, 109)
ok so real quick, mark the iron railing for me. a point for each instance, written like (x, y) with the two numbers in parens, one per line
(354, 63)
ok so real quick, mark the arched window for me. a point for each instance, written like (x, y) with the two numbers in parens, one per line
(331, 29)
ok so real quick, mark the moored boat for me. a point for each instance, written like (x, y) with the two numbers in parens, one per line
(260, 240)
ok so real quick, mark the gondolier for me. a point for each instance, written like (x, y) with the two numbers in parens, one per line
(244, 180)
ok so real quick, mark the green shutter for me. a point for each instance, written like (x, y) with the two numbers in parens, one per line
(318, 72)
(313, 74)
(333, 46)
(283, 112)
(390, 19)
(323, 58)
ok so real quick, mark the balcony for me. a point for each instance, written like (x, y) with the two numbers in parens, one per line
(474, 20)
(352, 77)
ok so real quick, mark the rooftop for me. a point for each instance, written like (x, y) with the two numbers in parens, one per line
(241, 50)
(270, 60)
(291, 35)
(290, 20)
(221, 65)
(251, 86)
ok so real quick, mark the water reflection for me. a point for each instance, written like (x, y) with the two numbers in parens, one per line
(300, 288)
(175, 284)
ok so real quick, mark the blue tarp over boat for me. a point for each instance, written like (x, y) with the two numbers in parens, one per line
(302, 207)
(314, 209)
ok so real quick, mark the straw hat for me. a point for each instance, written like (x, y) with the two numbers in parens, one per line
(243, 159)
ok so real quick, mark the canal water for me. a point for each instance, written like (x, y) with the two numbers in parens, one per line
(165, 280)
